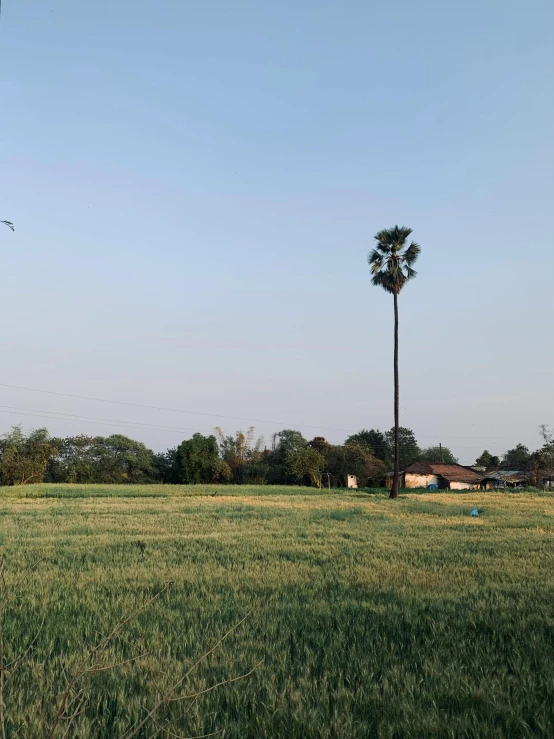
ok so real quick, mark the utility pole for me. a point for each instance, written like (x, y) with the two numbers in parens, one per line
(440, 447)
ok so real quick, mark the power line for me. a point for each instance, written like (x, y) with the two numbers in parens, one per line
(120, 425)
(139, 425)
(220, 415)
(169, 410)
(75, 417)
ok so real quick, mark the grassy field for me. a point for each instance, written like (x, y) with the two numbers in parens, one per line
(364, 617)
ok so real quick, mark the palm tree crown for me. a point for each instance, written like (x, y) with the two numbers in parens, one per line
(390, 262)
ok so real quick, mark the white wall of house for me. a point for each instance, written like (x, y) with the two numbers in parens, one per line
(463, 486)
(419, 481)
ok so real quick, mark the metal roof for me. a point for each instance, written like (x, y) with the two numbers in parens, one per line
(507, 475)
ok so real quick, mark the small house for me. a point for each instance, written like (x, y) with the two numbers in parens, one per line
(505, 479)
(443, 476)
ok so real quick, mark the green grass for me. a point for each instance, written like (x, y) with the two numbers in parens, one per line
(155, 491)
(366, 617)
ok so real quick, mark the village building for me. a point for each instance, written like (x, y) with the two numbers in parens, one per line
(439, 476)
(505, 479)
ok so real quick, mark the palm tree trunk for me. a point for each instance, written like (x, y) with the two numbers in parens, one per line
(395, 480)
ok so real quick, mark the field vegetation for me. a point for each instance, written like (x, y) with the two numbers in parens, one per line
(350, 615)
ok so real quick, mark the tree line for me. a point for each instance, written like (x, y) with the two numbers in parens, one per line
(239, 458)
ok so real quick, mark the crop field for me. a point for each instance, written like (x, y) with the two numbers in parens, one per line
(278, 613)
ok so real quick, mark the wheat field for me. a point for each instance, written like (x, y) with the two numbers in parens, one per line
(344, 614)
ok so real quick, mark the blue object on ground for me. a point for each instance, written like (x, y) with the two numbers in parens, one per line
(475, 512)
(432, 487)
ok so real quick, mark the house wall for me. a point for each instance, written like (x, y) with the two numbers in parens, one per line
(411, 480)
(464, 486)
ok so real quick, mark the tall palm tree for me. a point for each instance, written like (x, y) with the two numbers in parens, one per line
(391, 265)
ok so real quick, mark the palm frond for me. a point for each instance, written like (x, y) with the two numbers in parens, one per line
(385, 249)
(381, 279)
(400, 234)
(394, 237)
(389, 282)
(411, 254)
(374, 258)
(384, 237)
(390, 262)
(9, 224)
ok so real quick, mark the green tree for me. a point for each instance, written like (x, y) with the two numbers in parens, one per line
(74, 461)
(355, 459)
(198, 461)
(517, 458)
(408, 449)
(24, 456)
(487, 460)
(286, 443)
(540, 466)
(437, 455)
(320, 444)
(374, 440)
(308, 463)
(112, 459)
(241, 452)
(165, 464)
(119, 459)
(391, 265)
(289, 441)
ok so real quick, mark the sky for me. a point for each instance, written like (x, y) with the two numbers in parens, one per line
(195, 187)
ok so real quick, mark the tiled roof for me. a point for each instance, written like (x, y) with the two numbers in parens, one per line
(450, 472)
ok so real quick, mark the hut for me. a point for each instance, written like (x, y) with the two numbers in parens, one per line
(443, 476)
(505, 479)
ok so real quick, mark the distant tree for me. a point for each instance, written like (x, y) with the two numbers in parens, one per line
(391, 264)
(198, 460)
(240, 452)
(119, 459)
(487, 460)
(165, 464)
(74, 461)
(257, 470)
(541, 463)
(222, 472)
(408, 449)
(517, 458)
(546, 433)
(286, 443)
(374, 440)
(436, 455)
(320, 444)
(355, 459)
(24, 456)
(306, 462)
(113, 459)
(289, 441)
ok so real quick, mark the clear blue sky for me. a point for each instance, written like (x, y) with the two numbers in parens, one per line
(195, 187)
